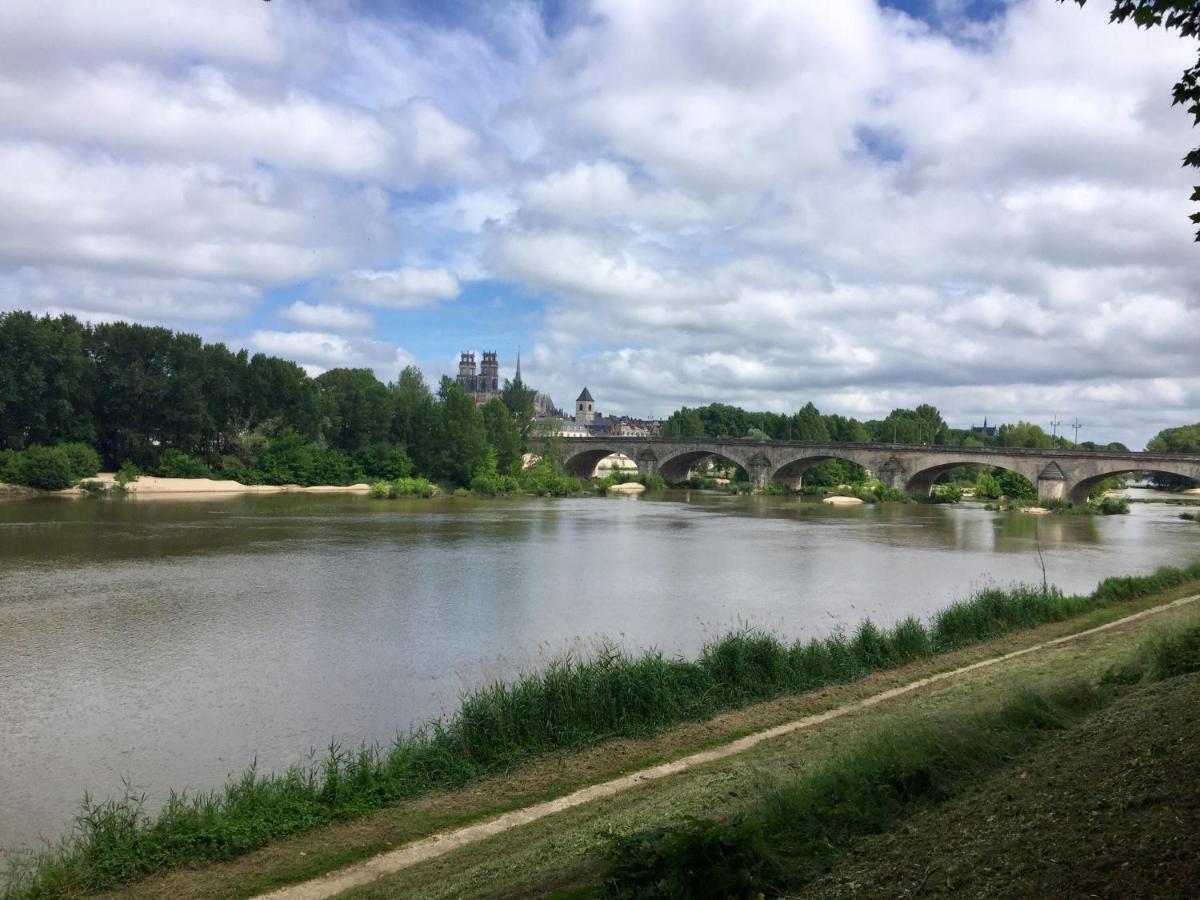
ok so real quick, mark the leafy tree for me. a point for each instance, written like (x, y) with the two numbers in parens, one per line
(461, 442)
(518, 400)
(1023, 434)
(1184, 439)
(503, 436)
(684, 422)
(357, 407)
(1174, 15)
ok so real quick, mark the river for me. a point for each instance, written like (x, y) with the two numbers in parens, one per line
(168, 642)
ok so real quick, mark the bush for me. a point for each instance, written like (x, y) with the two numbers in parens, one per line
(543, 481)
(945, 493)
(987, 487)
(1112, 506)
(84, 461)
(9, 466)
(127, 473)
(404, 487)
(176, 464)
(45, 468)
(1016, 486)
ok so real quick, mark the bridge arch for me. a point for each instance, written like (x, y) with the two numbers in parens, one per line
(921, 482)
(791, 473)
(583, 463)
(1082, 488)
(675, 468)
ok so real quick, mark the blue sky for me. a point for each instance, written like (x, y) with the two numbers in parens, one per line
(971, 203)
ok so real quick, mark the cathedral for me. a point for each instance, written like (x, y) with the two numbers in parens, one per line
(485, 383)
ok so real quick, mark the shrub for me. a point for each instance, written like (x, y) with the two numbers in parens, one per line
(987, 487)
(1017, 487)
(177, 464)
(45, 468)
(1112, 506)
(84, 461)
(9, 468)
(127, 473)
(945, 493)
(543, 481)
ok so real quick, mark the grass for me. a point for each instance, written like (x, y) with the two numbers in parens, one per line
(796, 828)
(572, 703)
(1165, 654)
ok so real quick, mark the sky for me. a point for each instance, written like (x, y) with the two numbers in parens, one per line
(972, 203)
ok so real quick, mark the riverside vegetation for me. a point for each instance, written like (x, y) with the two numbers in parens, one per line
(573, 703)
(793, 832)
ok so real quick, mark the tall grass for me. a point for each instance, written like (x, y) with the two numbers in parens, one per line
(799, 825)
(1164, 654)
(572, 703)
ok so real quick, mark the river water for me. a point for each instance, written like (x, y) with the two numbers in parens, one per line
(166, 643)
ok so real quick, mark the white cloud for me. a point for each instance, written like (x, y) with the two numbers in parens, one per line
(404, 288)
(319, 351)
(333, 316)
(797, 201)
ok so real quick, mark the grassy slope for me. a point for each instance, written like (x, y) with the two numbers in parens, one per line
(563, 852)
(1109, 809)
(325, 849)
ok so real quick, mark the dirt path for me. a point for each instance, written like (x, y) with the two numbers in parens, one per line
(439, 844)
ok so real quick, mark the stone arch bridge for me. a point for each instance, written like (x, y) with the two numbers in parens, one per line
(1058, 474)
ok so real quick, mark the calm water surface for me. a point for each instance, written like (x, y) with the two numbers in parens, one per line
(167, 642)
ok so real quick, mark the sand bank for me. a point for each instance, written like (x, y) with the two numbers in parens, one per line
(148, 485)
(838, 500)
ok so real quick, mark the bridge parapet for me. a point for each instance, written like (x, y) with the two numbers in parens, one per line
(913, 468)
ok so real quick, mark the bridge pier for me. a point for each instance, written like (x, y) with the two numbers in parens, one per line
(1051, 483)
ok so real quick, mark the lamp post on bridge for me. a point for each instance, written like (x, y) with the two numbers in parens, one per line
(1054, 423)
(1076, 425)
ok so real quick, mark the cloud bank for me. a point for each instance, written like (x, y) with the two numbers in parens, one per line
(760, 203)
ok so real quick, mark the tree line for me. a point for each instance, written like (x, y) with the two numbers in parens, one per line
(166, 403)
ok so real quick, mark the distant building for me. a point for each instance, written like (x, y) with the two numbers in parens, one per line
(583, 408)
(485, 384)
(984, 430)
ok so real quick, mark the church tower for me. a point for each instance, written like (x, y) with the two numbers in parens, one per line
(489, 373)
(583, 408)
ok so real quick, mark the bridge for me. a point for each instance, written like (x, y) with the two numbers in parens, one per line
(1057, 474)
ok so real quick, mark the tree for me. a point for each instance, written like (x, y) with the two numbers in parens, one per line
(461, 443)
(357, 408)
(518, 400)
(1173, 15)
(503, 436)
(684, 422)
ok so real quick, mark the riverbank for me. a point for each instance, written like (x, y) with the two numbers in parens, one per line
(491, 734)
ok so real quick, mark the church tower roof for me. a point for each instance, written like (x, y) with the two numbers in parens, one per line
(585, 396)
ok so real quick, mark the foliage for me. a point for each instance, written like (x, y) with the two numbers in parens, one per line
(945, 493)
(1015, 486)
(1112, 506)
(542, 479)
(45, 468)
(173, 464)
(127, 473)
(48, 468)
(290, 459)
(82, 459)
(488, 481)
(987, 487)
(404, 487)
(571, 703)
